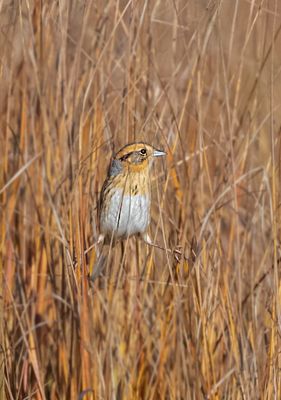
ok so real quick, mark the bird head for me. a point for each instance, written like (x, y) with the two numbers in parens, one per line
(137, 156)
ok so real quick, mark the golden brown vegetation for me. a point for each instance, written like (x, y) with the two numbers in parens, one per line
(200, 79)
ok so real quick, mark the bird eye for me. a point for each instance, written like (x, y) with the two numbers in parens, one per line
(143, 152)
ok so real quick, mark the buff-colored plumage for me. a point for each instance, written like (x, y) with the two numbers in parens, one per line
(126, 195)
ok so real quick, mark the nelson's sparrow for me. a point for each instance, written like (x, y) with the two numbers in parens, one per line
(124, 208)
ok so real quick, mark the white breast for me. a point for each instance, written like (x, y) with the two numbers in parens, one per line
(126, 215)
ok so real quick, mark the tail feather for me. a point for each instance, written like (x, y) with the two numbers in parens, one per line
(98, 267)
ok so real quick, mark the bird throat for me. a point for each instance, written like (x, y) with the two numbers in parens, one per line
(138, 182)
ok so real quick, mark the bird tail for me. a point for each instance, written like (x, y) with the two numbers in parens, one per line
(99, 266)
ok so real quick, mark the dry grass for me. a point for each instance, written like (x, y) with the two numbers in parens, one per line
(201, 80)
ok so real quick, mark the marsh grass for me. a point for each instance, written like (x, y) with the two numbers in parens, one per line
(79, 79)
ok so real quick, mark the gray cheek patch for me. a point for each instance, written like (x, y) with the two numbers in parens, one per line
(137, 159)
(115, 168)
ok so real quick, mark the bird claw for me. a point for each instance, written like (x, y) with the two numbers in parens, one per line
(146, 238)
(100, 239)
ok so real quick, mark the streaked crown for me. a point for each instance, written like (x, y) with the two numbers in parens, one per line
(138, 154)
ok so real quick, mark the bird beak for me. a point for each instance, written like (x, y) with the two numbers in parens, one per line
(158, 153)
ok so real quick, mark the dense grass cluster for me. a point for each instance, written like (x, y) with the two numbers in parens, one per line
(197, 317)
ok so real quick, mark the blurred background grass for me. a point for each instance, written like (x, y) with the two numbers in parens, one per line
(200, 79)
